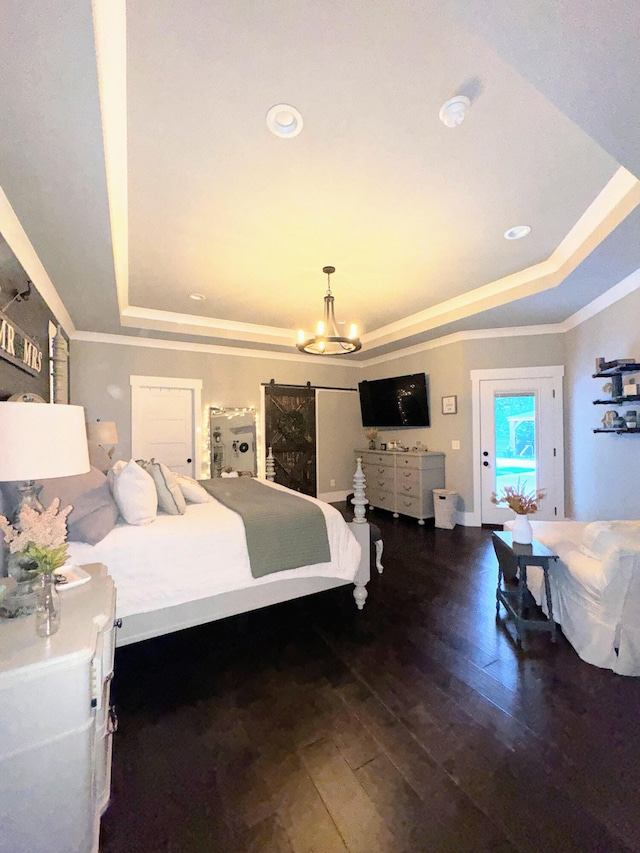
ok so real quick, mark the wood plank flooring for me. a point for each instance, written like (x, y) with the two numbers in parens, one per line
(415, 726)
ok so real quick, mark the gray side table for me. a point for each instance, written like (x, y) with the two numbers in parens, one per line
(513, 560)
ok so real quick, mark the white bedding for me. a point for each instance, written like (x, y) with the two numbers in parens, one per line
(181, 558)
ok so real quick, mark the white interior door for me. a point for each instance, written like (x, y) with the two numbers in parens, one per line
(521, 443)
(163, 422)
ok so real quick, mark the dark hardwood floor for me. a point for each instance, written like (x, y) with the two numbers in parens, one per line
(416, 725)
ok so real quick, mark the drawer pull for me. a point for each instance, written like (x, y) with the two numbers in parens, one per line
(112, 723)
(381, 482)
(407, 488)
(117, 623)
(407, 473)
(380, 470)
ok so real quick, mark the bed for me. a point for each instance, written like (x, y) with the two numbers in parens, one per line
(189, 569)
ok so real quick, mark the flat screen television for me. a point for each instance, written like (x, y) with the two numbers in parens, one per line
(401, 401)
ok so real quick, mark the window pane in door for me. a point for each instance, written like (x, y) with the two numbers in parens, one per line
(515, 441)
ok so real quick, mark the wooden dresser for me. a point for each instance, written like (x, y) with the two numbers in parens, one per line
(403, 482)
(56, 723)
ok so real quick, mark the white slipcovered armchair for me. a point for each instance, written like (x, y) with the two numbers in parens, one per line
(595, 588)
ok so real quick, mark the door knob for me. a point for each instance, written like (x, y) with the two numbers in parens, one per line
(485, 453)
(188, 460)
(486, 464)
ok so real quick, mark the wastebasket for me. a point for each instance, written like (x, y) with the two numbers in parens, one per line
(444, 503)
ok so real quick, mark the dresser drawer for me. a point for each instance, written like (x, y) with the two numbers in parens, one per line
(408, 505)
(408, 490)
(408, 461)
(377, 459)
(380, 498)
(407, 477)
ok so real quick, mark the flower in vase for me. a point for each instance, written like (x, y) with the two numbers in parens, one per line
(40, 538)
(518, 499)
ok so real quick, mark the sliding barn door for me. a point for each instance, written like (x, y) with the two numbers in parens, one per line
(290, 429)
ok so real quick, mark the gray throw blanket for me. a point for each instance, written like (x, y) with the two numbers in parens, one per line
(284, 531)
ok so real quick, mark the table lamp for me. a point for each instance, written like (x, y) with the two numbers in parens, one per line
(103, 433)
(40, 441)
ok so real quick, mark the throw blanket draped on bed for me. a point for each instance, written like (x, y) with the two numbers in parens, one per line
(284, 531)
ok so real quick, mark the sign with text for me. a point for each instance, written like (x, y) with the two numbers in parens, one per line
(18, 348)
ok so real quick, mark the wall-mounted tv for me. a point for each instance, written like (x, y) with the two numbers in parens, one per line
(401, 401)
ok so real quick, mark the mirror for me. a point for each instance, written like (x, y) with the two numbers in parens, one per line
(232, 437)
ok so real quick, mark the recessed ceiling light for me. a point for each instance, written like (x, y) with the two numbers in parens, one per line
(517, 232)
(198, 297)
(284, 120)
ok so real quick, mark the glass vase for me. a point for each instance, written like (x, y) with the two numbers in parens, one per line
(47, 606)
(22, 600)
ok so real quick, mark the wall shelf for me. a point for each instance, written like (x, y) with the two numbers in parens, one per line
(614, 370)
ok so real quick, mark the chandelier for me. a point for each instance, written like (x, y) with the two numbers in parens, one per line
(327, 340)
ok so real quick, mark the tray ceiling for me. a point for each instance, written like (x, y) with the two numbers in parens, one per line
(150, 174)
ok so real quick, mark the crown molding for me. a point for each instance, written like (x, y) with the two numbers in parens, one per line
(613, 295)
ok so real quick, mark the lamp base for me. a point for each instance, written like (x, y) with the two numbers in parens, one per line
(29, 491)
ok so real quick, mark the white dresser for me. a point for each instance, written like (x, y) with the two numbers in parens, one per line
(56, 724)
(403, 482)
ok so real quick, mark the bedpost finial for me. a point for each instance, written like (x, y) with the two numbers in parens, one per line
(359, 499)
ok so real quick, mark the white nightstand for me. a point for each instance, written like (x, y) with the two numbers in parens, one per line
(56, 723)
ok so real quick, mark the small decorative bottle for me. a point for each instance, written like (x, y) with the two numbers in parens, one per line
(47, 606)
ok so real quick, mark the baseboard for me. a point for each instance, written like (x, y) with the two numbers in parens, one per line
(333, 497)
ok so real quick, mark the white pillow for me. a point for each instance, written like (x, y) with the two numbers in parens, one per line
(599, 537)
(192, 490)
(134, 491)
(170, 498)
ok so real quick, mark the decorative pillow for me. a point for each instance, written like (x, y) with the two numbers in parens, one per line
(599, 537)
(192, 490)
(94, 514)
(170, 497)
(69, 489)
(134, 492)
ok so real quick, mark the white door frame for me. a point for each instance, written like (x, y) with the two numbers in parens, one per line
(194, 385)
(555, 372)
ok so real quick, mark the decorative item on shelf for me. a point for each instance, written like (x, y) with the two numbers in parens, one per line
(328, 340)
(631, 419)
(630, 389)
(523, 503)
(609, 418)
(40, 540)
(371, 435)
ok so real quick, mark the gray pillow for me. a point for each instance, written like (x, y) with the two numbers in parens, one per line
(69, 489)
(94, 514)
(170, 497)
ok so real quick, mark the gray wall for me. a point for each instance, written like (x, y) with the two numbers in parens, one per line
(448, 368)
(603, 470)
(100, 381)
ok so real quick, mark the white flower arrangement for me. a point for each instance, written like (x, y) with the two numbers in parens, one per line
(39, 537)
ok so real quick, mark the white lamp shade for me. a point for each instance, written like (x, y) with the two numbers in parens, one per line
(42, 440)
(102, 432)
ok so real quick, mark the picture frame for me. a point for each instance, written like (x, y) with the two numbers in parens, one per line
(450, 405)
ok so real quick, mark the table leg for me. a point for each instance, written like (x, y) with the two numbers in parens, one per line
(547, 588)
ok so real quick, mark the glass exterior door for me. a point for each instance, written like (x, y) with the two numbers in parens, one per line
(516, 437)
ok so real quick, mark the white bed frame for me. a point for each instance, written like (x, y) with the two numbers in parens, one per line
(144, 626)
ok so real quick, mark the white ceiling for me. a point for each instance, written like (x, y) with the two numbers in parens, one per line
(137, 190)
